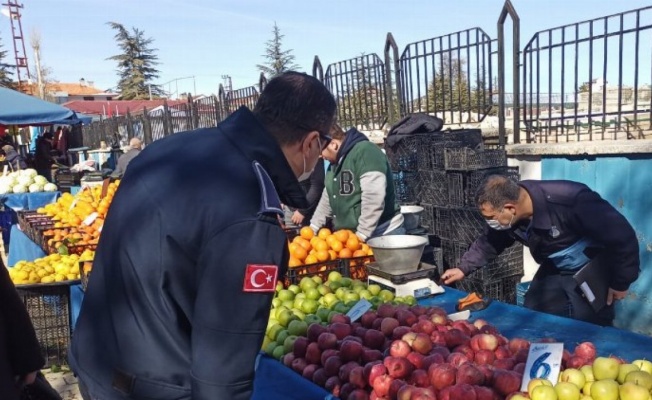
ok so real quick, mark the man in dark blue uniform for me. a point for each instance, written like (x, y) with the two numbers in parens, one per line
(192, 249)
(565, 224)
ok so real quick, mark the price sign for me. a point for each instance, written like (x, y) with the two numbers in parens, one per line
(358, 309)
(89, 220)
(73, 204)
(543, 362)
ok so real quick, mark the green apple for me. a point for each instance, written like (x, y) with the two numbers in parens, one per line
(330, 317)
(334, 285)
(543, 392)
(341, 292)
(623, 370)
(323, 289)
(309, 306)
(278, 352)
(269, 349)
(282, 335)
(285, 294)
(574, 376)
(587, 370)
(278, 310)
(312, 294)
(374, 289)
(631, 391)
(605, 368)
(351, 296)
(273, 331)
(300, 295)
(537, 382)
(307, 283)
(266, 342)
(298, 328)
(365, 294)
(341, 308)
(330, 299)
(334, 276)
(276, 302)
(285, 317)
(605, 389)
(288, 344)
(346, 282)
(644, 365)
(322, 314)
(350, 304)
(586, 390)
(312, 318)
(399, 299)
(386, 295)
(279, 286)
(410, 300)
(640, 378)
(518, 397)
(317, 279)
(297, 303)
(294, 289)
(358, 288)
(288, 304)
(298, 313)
(567, 391)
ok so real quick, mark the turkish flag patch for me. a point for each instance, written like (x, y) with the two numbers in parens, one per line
(260, 278)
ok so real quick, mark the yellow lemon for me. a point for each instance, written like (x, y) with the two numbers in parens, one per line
(59, 278)
(47, 279)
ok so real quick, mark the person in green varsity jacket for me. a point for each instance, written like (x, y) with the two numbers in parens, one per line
(359, 189)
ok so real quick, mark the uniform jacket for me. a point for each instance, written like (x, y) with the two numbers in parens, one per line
(20, 352)
(359, 189)
(165, 315)
(565, 213)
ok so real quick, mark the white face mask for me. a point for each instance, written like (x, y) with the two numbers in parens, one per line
(306, 174)
(495, 224)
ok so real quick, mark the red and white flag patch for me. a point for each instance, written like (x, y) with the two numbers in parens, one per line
(260, 278)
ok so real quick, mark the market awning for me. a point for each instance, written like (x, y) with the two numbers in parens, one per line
(19, 109)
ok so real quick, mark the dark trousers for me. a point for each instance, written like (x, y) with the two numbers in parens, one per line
(557, 293)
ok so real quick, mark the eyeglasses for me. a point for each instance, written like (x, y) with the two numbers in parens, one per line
(324, 140)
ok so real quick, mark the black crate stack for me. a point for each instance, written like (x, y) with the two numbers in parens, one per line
(442, 172)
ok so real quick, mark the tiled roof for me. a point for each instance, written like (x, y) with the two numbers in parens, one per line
(116, 107)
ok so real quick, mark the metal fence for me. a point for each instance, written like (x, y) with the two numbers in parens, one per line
(590, 80)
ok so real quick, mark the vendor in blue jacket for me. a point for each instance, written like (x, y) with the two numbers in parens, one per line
(564, 224)
(192, 249)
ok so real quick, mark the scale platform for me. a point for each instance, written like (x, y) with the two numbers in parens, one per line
(420, 283)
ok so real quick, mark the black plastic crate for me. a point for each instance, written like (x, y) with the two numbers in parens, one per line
(463, 185)
(321, 269)
(410, 153)
(433, 188)
(508, 263)
(48, 306)
(443, 224)
(428, 217)
(464, 224)
(502, 289)
(407, 186)
(356, 268)
(467, 159)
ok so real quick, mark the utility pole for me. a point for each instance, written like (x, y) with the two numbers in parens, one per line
(35, 41)
(227, 83)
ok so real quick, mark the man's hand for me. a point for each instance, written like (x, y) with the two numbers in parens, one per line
(615, 295)
(297, 218)
(28, 379)
(452, 275)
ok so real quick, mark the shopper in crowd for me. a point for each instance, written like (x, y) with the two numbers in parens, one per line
(43, 159)
(313, 188)
(20, 353)
(14, 160)
(135, 146)
(192, 249)
(359, 189)
(565, 224)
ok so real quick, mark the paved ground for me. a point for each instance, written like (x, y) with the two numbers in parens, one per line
(65, 383)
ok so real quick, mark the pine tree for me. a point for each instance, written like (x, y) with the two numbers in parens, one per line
(136, 64)
(277, 59)
(449, 90)
(5, 70)
(363, 103)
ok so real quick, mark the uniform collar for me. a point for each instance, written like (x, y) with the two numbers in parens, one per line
(540, 213)
(251, 138)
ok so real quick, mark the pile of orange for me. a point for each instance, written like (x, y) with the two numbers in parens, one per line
(308, 248)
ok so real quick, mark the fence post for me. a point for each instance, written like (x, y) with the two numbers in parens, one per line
(390, 44)
(166, 125)
(262, 82)
(147, 127)
(508, 9)
(130, 126)
(317, 69)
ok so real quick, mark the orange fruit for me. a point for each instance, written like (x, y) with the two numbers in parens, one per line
(359, 253)
(324, 233)
(292, 247)
(294, 262)
(342, 235)
(306, 233)
(314, 241)
(312, 252)
(353, 243)
(304, 243)
(365, 247)
(333, 255)
(323, 255)
(337, 246)
(345, 253)
(311, 259)
(299, 253)
(321, 245)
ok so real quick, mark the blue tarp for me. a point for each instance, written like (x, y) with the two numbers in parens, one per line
(22, 110)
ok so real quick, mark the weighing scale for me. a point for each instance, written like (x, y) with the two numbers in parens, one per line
(420, 283)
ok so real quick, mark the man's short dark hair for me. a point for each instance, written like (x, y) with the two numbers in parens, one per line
(293, 104)
(497, 190)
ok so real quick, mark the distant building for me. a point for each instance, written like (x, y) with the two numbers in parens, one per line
(61, 92)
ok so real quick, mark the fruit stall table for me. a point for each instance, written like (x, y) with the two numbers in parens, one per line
(21, 201)
(276, 381)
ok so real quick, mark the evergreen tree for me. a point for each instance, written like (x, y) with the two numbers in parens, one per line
(277, 60)
(5, 69)
(136, 64)
(363, 103)
(449, 90)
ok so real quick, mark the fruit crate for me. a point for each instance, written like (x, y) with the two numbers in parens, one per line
(460, 224)
(501, 289)
(463, 185)
(433, 188)
(48, 306)
(65, 177)
(428, 217)
(74, 248)
(410, 153)
(508, 263)
(521, 290)
(356, 268)
(467, 159)
(292, 232)
(407, 186)
(321, 269)
(85, 267)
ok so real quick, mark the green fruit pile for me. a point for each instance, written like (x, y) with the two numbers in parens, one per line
(315, 301)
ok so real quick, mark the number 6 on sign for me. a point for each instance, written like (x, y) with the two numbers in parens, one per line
(543, 362)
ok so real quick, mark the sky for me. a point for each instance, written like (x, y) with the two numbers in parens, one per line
(207, 39)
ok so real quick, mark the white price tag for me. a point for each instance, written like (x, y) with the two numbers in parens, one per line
(73, 204)
(358, 309)
(100, 228)
(89, 220)
(543, 362)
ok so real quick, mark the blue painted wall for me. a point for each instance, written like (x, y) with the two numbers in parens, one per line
(626, 182)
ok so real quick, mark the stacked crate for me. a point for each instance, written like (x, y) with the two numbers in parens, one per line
(442, 174)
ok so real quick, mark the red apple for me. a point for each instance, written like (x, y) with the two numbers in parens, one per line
(466, 350)
(405, 392)
(462, 391)
(489, 329)
(422, 343)
(394, 387)
(502, 352)
(431, 359)
(387, 326)
(381, 385)
(375, 371)
(309, 371)
(399, 348)
(521, 355)
(341, 318)
(368, 318)
(369, 355)
(487, 342)
(457, 359)
(441, 350)
(505, 363)
(577, 362)
(488, 371)
(406, 318)
(445, 394)
(298, 365)
(469, 374)
(418, 310)
(442, 375)
(409, 338)
(333, 385)
(426, 326)
(398, 367)
(345, 390)
(340, 330)
(314, 330)
(416, 359)
(345, 371)
(438, 338)
(353, 338)
(479, 323)
(506, 382)
(419, 378)
(586, 350)
(327, 341)
(356, 377)
(423, 394)
(287, 359)
(376, 324)
(326, 354)
(359, 332)
(455, 337)
(350, 350)
(358, 394)
(374, 339)
(483, 357)
(400, 331)
(386, 310)
(483, 393)
(332, 366)
(313, 353)
(319, 377)
(519, 368)
(438, 319)
(300, 346)
(517, 344)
